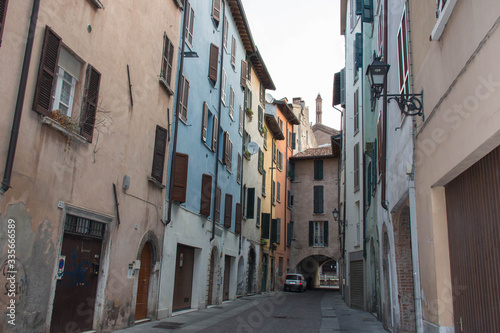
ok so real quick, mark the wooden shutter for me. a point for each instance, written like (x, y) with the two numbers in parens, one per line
(225, 148)
(325, 233)
(289, 234)
(278, 230)
(359, 50)
(294, 138)
(218, 195)
(342, 87)
(258, 211)
(244, 69)
(159, 153)
(204, 122)
(311, 233)
(237, 224)
(261, 118)
(90, 102)
(336, 89)
(225, 32)
(274, 231)
(214, 61)
(250, 203)
(184, 98)
(46, 71)
(240, 127)
(318, 169)
(318, 199)
(367, 15)
(264, 182)
(167, 59)
(190, 25)
(238, 175)
(359, 7)
(292, 170)
(179, 183)
(265, 225)
(206, 194)
(229, 154)
(233, 52)
(3, 14)
(228, 207)
(216, 10)
(215, 133)
(231, 103)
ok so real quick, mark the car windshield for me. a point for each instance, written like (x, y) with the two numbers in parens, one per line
(293, 277)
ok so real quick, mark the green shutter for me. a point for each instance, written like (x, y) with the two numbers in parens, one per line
(250, 203)
(311, 233)
(325, 233)
(274, 232)
(359, 7)
(318, 199)
(367, 15)
(359, 50)
(265, 225)
(318, 169)
(278, 230)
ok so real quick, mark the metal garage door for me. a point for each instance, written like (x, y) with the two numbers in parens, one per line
(357, 285)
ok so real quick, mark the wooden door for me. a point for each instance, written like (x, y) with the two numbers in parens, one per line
(183, 284)
(210, 300)
(141, 305)
(473, 212)
(251, 271)
(76, 291)
(227, 274)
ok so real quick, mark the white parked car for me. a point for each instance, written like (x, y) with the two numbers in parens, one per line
(295, 282)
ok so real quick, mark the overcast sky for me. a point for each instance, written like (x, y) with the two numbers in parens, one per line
(302, 48)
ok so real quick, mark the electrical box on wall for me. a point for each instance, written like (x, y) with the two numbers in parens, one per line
(126, 182)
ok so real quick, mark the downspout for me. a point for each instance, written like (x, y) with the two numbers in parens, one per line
(412, 199)
(16, 122)
(223, 7)
(383, 201)
(286, 188)
(362, 84)
(176, 124)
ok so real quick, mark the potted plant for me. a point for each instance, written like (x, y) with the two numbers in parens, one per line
(249, 112)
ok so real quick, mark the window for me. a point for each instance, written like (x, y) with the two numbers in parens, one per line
(318, 200)
(225, 33)
(353, 18)
(273, 192)
(206, 195)
(244, 69)
(261, 119)
(166, 63)
(265, 139)
(276, 230)
(237, 219)
(290, 199)
(274, 151)
(356, 111)
(250, 203)
(280, 161)
(248, 99)
(3, 14)
(57, 83)
(263, 183)
(159, 154)
(358, 51)
(215, 133)
(233, 52)
(216, 11)
(179, 183)
(358, 224)
(280, 122)
(443, 13)
(261, 161)
(183, 101)
(262, 94)
(318, 233)
(223, 87)
(218, 195)
(288, 138)
(213, 63)
(227, 152)
(278, 194)
(356, 167)
(190, 24)
(240, 126)
(238, 176)
(266, 219)
(289, 233)
(318, 169)
(231, 103)
(204, 123)
(228, 210)
(258, 212)
(404, 85)
(83, 226)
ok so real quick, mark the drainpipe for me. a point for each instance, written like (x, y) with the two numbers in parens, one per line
(223, 7)
(286, 189)
(176, 124)
(16, 122)
(383, 201)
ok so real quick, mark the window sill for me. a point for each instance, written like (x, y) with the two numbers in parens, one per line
(156, 182)
(66, 132)
(165, 85)
(443, 19)
(97, 3)
(179, 4)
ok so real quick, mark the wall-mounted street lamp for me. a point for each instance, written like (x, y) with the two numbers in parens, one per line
(409, 104)
(336, 217)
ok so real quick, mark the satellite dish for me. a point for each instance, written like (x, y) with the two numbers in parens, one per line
(269, 98)
(252, 148)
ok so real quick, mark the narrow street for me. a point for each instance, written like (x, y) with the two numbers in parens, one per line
(311, 311)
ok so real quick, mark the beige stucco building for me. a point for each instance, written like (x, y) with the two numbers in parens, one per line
(457, 162)
(86, 188)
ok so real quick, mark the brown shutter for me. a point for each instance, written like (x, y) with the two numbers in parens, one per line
(180, 177)
(216, 10)
(184, 98)
(204, 122)
(3, 14)
(214, 62)
(215, 133)
(228, 207)
(244, 68)
(229, 154)
(233, 52)
(206, 195)
(237, 225)
(238, 172)
(225, 152)
(336, 89)
(46, 72)
(218, 195)
(159, 153)
(90, 100)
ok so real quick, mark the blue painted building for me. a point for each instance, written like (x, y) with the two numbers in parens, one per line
(203, 212)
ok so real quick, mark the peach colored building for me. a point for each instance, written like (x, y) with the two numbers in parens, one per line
(85, 187)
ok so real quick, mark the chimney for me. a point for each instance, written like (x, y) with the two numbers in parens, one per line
(319, 109)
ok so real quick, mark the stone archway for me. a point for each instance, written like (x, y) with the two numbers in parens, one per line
(310, 268)
(252, 269)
